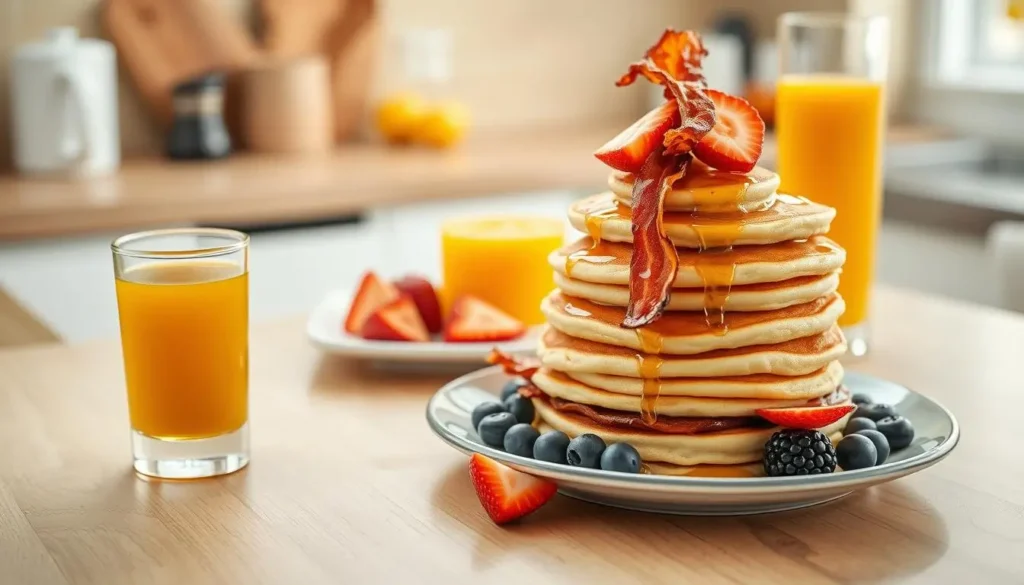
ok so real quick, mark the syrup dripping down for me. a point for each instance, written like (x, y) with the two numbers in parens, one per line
(649, 363)
(593, 220)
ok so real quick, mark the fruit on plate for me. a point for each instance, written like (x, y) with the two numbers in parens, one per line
(372, 294)
(551, 447)
(881, 444)
(897, 430)
(425, 297)
(858, 424)
(492, 428)
(512, 387)
(443, 126)
(621, 457)
(400, 116)
(396, 321)
(628, 151)
(735, 142)
(856, 452)
(875, 412)
(507, 494)
(472, 320)
(799, 452)
(585, 451)
(519, 440)
(521, 407)
(484, 409)
(805, 417)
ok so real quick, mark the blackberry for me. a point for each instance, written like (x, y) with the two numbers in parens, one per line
(798, 452)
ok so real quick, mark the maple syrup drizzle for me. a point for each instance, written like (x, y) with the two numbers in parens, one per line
(593, 220)
(715, 264)
(649, 363)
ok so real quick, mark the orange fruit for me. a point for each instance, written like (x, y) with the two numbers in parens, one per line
(444, 125)
(400, 116)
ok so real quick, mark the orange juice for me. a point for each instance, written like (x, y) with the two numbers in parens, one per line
(501, 260)
(829, 131)
(185, 337)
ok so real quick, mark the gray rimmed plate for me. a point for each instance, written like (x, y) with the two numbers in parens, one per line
(937, 432)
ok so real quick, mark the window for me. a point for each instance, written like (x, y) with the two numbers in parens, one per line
(978, 44)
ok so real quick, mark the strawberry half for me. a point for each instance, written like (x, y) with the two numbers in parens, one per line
(628, 151)
(507, 494)
(372, 294)
(805, 417)
(425, 297)
(735, 143)
(396, 321)
(474, 320)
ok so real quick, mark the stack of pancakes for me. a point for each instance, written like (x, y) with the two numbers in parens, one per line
(750, 324)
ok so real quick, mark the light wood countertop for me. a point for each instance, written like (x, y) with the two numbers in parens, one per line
(247, 189)
(348, 485)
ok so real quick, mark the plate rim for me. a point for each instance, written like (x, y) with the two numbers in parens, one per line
(725, 485)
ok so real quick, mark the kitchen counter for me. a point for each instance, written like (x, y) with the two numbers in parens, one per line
(252, 189)
(348, 485)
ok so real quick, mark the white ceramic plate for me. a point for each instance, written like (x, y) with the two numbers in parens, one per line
(936, 433)
(325, 331)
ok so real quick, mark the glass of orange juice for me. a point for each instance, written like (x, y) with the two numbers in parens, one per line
(183, 303)
(830, 120)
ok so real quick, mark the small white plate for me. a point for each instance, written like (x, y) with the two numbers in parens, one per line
(936, 433)
(325, 331)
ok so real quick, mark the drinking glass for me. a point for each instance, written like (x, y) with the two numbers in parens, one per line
(183, 303)
(830, 119)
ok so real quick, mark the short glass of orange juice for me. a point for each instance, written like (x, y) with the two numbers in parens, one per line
(183, 304)
(830, 123)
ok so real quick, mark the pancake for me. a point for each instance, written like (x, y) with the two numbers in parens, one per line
(708, 190)
(788, 218)
(694, 396)
(724, 471)
(608, 262)
(743, 445)
(764, 296)
(687, 332)
(796, 357)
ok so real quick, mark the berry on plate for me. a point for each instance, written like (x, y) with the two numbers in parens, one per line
(492, 428)
(484, 409)
(898, 430)
(805, 417)
(857, 424)
(474, 320)
(585, 451)
(425, 297)
(519, 440)
(507, 494)
(881, 444)
(372, 294)
(799, 452)
(628, 151)
(521, 407)
(735, 143)
(512, 387)
(856, 452)
(875, 412)
(396, 321)
(551, 447)
(621, 457)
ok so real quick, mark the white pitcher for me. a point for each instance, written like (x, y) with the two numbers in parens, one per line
(64, 106)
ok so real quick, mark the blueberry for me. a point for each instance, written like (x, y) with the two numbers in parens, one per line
(898, 430)
(493, 427)
(856, 452)
(511, 387)
(551, 447)
(859, 399)
(858, 424)
(521, 407)
(621, 457)
(881, 444)
(485, 408)
(519, 440)
(875, 412)
(585, 451)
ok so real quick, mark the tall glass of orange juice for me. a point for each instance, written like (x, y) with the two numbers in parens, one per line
(183, 303)
(830, 119)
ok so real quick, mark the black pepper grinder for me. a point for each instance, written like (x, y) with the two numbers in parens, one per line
(198, 131)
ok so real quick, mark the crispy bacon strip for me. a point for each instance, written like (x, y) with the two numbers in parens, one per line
(514, 366)
(675, 62)
(652, 270)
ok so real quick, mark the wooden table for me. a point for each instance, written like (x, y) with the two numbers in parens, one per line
(348, 485)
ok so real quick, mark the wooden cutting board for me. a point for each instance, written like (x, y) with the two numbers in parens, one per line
(344, 31)
(165, 42)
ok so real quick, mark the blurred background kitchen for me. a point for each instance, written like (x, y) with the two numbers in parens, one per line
(288, 119)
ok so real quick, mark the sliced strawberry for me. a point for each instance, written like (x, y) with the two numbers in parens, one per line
(505, 493)
(628, 151)
(734, 144)
(474, 320)
(805, 417)
(425, 297)
(396, 321)
(372, 294)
